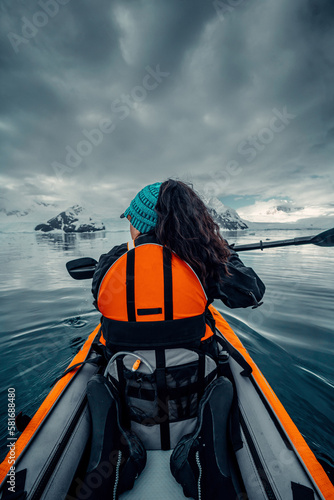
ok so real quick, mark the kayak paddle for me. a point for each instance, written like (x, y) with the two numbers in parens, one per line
(325, 239)
(81, 269)
(84, 268)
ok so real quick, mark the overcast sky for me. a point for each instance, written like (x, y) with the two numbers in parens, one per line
(100, 98)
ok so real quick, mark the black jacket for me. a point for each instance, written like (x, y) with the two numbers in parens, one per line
(242, 288)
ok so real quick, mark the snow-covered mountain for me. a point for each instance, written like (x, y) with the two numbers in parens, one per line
(73, 220)
(229, 219)
(37, 207)
(226, 217)
(78, 219)
(325, 222)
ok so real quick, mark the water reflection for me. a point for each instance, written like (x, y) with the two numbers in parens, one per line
(66, 241)
(90, 236)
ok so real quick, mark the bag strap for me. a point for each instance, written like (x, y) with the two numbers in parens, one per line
(235, 354)
(98, 360)
(162, 398)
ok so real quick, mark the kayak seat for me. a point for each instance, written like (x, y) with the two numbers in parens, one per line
(202, 461)
(117, 456)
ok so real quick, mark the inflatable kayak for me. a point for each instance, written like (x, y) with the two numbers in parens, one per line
(52, 452)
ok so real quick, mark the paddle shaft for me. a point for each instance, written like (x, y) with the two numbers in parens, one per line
(324, 239)
(272, 244)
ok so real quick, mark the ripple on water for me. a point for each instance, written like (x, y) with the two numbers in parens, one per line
(76, 322)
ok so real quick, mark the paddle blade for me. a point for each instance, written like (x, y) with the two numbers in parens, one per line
(325, 239)
(81, 269)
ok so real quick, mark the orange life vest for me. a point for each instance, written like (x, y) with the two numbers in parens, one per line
(149, 296)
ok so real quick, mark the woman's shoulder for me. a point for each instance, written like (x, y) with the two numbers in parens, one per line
(116, 251)
(119, 250)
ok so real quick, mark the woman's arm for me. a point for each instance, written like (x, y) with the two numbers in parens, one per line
(241, 288)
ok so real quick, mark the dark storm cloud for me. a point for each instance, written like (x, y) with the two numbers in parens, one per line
(225, 73)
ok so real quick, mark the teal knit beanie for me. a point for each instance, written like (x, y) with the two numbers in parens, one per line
(141, 209)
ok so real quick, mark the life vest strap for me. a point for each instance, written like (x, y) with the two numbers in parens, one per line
(168, 283)
(145, 334)
(130, 285)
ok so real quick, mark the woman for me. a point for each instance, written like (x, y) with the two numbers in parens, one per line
(173, 215)
(154, 293)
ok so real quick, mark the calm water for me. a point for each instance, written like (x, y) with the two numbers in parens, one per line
(46, 316)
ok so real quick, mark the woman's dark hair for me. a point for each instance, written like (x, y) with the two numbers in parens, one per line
(186, 227)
